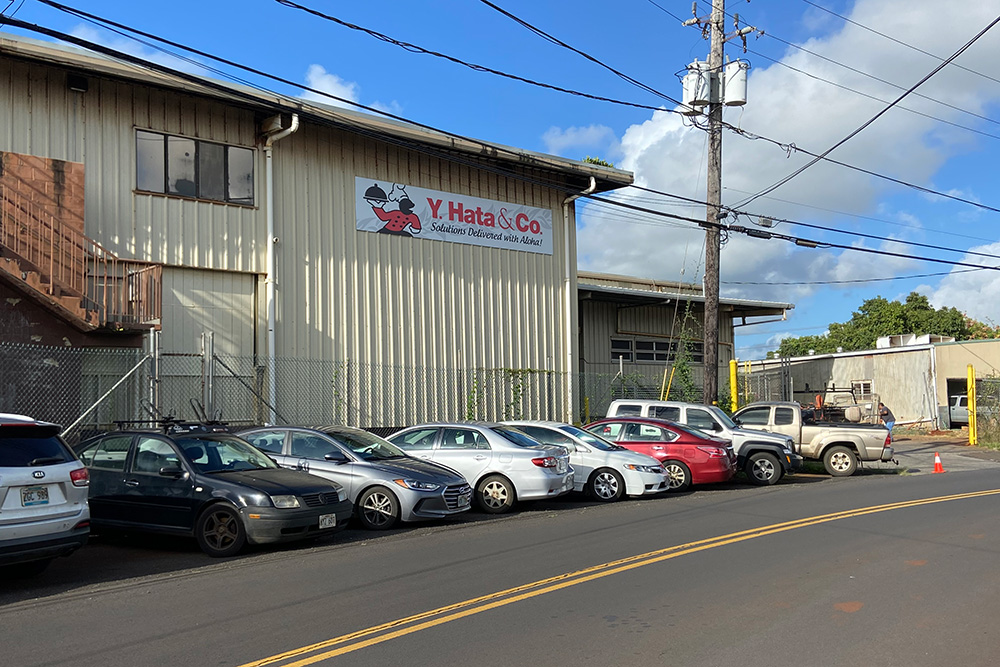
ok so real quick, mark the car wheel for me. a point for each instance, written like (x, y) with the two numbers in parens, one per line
(220, 531)
(679, 475)
(763, 469)
(378, 509)
(495, 495)
(840, 461)
(606, 485)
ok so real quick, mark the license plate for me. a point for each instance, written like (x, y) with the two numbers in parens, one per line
(34, 495)
(464, 500)
(327, 521)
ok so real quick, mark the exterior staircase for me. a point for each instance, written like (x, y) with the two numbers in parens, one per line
(72, 275)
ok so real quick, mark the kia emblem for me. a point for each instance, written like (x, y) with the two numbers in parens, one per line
(38, 474)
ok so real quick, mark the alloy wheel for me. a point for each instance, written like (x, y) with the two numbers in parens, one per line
(605, 485)
(378, 509)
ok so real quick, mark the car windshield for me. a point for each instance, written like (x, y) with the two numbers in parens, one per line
(722, 416)
(367, 445)
(589, 438)
(210, 454)
(517, 437)
(23, 446)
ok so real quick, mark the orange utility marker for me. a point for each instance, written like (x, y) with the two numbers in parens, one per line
(937, 463)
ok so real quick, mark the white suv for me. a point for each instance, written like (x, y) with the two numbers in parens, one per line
(43, 495)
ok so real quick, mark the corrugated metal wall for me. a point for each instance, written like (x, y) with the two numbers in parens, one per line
(401, 301)
(195, 301)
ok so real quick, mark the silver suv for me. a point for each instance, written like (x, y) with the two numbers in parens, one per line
(43, 495)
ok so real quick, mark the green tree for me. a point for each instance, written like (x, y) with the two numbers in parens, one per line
(880, 317)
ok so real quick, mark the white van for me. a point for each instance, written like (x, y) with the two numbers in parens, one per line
(764, 457)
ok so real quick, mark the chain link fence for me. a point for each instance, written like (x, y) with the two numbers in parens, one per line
(90, 389)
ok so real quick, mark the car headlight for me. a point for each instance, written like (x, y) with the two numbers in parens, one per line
(417, 485)
(641, 468)
(285, 502)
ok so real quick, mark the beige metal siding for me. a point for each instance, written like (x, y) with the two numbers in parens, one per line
(218, 301)
(43, 117)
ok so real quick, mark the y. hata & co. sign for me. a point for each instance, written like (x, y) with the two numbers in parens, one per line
(385, 207)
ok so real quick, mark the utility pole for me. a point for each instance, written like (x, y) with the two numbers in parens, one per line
(706, 89)
(714, 204)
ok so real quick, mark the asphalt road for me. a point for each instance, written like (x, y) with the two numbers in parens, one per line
(722, 576)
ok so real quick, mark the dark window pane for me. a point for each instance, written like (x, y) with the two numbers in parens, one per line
(211, 171)
(240, 175)
(663, 347)
(618, 344)
(644, 356)
(180, 166)
(627, 356)
(644, 345)
(784, 416)
(149, 161)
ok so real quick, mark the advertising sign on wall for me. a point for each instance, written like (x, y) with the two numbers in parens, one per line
(385, 207)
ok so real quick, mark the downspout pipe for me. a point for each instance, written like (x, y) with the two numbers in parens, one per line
(271, 136)
(569, 260)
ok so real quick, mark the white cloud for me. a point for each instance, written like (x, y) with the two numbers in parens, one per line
(575, 141)
(317, 77)
(667, 155)
(975, 293)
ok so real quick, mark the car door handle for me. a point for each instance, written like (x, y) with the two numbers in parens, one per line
(657, 448)
(423, 456)
(480, 457)
(131, 482)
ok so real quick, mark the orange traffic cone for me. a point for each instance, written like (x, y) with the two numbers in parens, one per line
(937, 463)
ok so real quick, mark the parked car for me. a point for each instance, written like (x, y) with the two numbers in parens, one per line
(764, 457)
(690, 456)
(43, 496)
(384, 483)
(601, 469)
(502, 464)
(202, 481)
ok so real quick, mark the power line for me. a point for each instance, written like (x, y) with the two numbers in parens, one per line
(898, 41)
(825, 228)
(541, 33)
(848, 282)
(871, 120)
(863, 217)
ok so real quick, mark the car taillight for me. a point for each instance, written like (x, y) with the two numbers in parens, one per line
(80, 477)
(888, 440)
(545, 462)
(714, 452)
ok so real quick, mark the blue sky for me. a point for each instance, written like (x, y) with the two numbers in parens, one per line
(645, 42)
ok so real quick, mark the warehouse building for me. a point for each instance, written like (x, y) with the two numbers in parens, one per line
(337, 258)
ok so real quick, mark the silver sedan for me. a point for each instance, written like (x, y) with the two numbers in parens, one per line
(502, 463)
(385, 484)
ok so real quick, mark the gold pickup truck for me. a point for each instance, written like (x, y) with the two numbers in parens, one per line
(841, 447)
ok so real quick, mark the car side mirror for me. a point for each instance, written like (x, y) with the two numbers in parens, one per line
(716, 426)
(172, 471)
(335, 457)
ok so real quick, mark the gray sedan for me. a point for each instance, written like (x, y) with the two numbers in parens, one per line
(385, 484)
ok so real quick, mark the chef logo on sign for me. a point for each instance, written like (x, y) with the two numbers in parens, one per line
(396, 219)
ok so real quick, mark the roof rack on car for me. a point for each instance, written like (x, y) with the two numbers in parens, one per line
(170, 425)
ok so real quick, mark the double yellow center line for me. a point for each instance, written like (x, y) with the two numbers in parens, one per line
(331, 648)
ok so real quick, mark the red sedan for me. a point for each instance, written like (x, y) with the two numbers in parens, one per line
(689, 455)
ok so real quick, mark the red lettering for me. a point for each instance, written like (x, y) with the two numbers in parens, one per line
(518, 219)
(536, 228)
(455, 211)
(479, 215)
(435, 205)
(470, 216)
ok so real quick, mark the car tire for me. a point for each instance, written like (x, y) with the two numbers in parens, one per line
(678, 474)
(220, 531)
(840, 461)
(606, 485)
(377, 508)
(763, 469)
(495, 494)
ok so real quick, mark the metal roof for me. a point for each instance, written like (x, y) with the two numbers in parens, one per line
(96, 64)
(642, 296)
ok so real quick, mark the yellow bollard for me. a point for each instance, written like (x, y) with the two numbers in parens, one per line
(971, 391)
(733, 389)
